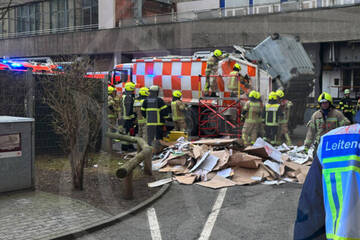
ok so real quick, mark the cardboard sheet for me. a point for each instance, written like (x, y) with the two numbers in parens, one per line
(200, 161)
(240, 159)
(160, 182)
(227, 172)
(244, 176)
(269, 149)
(274, 166)
(217, 182)
(178, 169)
(215, 141)
(186, 179)
(223, 156)
(177, 161)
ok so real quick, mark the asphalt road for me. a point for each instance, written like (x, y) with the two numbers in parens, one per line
(187, 212)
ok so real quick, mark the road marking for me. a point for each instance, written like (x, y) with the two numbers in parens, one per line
(154, 224)
(209, 225)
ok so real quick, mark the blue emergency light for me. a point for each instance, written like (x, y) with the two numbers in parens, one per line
(16, 65)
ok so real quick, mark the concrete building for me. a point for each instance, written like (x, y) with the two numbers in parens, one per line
(114, 31)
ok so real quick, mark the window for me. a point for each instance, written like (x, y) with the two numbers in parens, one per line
(59, 14)
(28, 18)
(90, 12)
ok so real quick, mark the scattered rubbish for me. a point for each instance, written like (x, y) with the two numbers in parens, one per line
(160, 182)
(217, 163)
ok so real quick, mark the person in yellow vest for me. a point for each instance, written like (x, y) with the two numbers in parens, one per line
(140, 119)
(347, 106)
(128, 114)
(211, 69)
(272, 115)
(178, 111)
(251, 114)
(112, 110)
(260, 124)
(323, 120)
(285, 106)
(236, 81)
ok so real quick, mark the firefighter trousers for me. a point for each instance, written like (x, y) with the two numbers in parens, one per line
(284, 131)
(210, 82)
(180, 125)
(271, 132)
(129, 130)
(349, 116)
(154, 133)
(249, 132)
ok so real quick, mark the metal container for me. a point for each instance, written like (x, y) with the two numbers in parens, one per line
(17, 154)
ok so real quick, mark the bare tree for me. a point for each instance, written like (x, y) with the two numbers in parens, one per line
(77, 113)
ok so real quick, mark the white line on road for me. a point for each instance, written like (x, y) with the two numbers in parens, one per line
(154, 224)
(209, 225)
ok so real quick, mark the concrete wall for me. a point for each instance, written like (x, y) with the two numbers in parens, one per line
(106, 14)
(326, 25)
(199, 5)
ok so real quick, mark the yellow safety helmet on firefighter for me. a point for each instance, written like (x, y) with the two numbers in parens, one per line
(325, 97)
(144, 91)
(252, 94)
(177, 94)
(217, 53)
(110, 89)
(273, 95)
(258, 95)
(130, 86)
(280, 93)
(347, 91)
(237, 66)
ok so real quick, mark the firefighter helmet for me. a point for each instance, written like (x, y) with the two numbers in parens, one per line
(280, 93)
(177, 94)
(258, 95)
(273, 95)
(252, 94)
(217, 53)
(144, 91)
(347, 91)
(325, 97)
(154, 88)
(110, 89)
(237, 66)
(130, 86)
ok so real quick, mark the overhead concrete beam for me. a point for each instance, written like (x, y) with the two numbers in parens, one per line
(316, 25)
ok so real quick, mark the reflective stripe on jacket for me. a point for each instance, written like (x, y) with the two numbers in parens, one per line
(339, 155)
(137, 109)
(272, 114)
(155, 110)
(253, 112)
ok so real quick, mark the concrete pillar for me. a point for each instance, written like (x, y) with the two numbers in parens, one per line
(107, 14)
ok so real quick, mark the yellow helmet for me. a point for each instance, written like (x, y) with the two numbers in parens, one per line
(347, 91)
(325, 97)
(280, 93)
(110, 89)
(217, 53)
(252, 94)
(273, 95)
(130, 86)
(144, 91)
(237, 66)
(258, 95)
(177, 94)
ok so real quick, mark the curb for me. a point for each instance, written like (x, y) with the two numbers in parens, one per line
(110, 221)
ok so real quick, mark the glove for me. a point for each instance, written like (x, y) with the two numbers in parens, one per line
(306, 149)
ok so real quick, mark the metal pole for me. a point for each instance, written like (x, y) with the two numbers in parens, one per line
(30, 95)
(106, 142)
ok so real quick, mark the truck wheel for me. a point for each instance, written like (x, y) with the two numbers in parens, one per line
(191, 119)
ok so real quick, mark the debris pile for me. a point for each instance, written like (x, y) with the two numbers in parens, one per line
(215, 163)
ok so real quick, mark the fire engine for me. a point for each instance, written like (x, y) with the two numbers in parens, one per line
(36, 65)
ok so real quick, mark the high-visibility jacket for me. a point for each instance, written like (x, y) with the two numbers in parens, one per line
(212, 63)
(252, 111)
(155, 111)
(285, 106)
(320, 124)
(127, 106)
(272, 114)
(237, 80)
(346, 105)
(111, 107)
(177, 110)
(137, 109)
(339, 155)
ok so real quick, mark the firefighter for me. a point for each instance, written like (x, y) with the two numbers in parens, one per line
(178, 111)
(236, 80)
(128, 114)
(327, 206)
(112, 113)
(285, 106)
(260, 124)
(323, 120)
(272, 115)
(156, 112)
(347, 106)
(251, 113)
(211, 69)
(140, 119)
